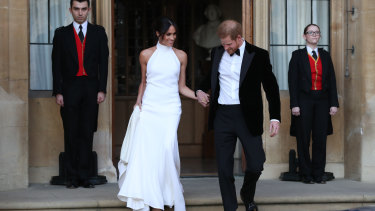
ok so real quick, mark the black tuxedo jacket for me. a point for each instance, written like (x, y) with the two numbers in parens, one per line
(256, 71)
(65, 57)
(299, 78)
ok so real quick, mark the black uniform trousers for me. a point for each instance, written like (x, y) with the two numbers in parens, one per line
(79, 116)
(312, 122)
(229, 124)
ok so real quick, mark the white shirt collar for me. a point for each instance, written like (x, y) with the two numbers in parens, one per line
(310, 50)
(242, 47)
(84, 27)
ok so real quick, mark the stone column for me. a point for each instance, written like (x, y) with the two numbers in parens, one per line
(360, 93)
(14, 94)
(103, 136)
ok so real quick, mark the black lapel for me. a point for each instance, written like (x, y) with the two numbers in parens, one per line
(324, 63)
(89, 38)
(246, 61)
(72, 42)
(215, 67)
(306, 63)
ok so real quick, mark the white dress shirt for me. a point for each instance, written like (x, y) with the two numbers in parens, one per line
(84, 27)
(229, 77)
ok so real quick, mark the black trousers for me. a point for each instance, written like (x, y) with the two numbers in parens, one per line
(79, 116)
(228, 125)
(312, 122)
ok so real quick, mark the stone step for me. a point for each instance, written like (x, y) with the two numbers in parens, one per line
(201, 194)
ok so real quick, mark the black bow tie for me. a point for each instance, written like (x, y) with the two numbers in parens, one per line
(236, 52)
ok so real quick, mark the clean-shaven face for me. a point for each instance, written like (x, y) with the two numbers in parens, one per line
(79, 11)
(169, 37)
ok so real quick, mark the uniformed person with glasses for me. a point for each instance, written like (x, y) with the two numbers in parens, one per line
(313, 100)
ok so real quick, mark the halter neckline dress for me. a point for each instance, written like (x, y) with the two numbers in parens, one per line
(151, 178)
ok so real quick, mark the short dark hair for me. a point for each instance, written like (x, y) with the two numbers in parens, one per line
(307, 27)
(71, 2)
(162, 25)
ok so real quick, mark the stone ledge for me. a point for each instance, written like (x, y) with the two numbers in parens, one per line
(199, 193)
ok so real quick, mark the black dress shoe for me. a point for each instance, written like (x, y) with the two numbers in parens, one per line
(307, 180)
(71, 184)
(320, 181)
(251, 207)
(88, 184)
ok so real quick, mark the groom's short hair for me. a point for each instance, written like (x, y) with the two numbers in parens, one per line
(229, 28)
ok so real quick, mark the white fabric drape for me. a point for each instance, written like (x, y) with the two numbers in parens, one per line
(41, 36)
(59, 15)
(40, 78)
(40, 67)
(321, 18)
(127, 143)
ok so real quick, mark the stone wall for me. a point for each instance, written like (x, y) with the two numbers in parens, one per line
(14, 68)
(13, 142)
(360, 93)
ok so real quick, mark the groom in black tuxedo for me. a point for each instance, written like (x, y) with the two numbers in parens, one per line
(80, 68)
(239, 70)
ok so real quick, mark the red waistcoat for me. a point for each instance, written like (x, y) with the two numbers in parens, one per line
(316, 73)
(80, 53)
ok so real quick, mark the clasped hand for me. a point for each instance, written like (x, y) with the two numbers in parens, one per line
(203, 98)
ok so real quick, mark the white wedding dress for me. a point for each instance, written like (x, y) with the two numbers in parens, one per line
(151, 175)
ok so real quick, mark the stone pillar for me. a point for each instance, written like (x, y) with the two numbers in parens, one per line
(360, 93)
(14, 94)
(335, 142)
(103, 136)
(13, 142)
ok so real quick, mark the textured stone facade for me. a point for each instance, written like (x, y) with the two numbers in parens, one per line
(14, 67)
(360, 93)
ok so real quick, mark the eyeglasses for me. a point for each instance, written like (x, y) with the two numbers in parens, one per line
(313, 33)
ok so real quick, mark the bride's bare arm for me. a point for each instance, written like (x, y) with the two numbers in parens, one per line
(183, 89)
(144, 56)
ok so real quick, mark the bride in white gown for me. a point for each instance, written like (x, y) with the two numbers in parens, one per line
(150, 175)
